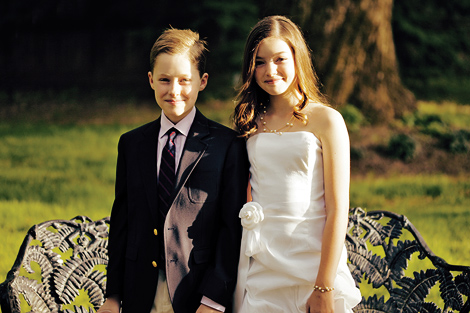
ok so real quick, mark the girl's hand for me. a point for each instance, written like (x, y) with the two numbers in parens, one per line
(320, 302)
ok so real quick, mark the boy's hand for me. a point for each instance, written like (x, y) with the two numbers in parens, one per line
(111, 305)
(206, 309)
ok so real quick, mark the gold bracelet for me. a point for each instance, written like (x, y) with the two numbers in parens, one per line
(323, 289)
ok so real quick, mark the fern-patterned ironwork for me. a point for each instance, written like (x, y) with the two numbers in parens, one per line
(381, 245)
(67, 253)
(379, 253)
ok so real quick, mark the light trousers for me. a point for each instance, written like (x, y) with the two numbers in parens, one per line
(162, 302)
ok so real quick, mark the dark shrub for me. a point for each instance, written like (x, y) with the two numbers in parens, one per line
(357, 153)
(424, 120)
(456, 142)
(401, 146)
(433, 191)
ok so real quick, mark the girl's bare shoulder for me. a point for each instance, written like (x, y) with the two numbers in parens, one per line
(322, 118)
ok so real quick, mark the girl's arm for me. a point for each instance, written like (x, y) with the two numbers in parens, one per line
(336, 164)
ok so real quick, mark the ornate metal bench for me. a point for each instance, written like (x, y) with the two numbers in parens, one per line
(381, 245)
(70, 274)
(71, 258)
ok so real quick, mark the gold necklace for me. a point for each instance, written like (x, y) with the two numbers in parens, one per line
(275, 131)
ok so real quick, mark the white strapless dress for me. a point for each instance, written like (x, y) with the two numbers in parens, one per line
(283, 228)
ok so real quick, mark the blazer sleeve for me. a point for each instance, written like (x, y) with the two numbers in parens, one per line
(219, 282)
(118, 228)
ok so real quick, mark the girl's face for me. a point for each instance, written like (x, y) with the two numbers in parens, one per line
(176, 82)
(274, 66)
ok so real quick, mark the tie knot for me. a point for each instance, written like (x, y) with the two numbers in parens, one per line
(170, 144)
(172, 133)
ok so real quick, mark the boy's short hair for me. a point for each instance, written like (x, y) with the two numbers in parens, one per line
(176, 41)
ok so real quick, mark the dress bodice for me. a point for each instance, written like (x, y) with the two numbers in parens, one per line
(287, 182)
(286, 168)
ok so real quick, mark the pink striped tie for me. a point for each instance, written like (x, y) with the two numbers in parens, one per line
(166, 178)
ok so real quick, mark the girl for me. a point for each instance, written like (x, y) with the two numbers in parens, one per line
(293, 257)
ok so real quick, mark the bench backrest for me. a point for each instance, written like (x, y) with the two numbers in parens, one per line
(397, 271)
(70, 274)
(61, 267)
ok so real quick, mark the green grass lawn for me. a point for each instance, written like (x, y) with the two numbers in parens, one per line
(438, 205)
(452, 113)
(58, 171)
(52, 172)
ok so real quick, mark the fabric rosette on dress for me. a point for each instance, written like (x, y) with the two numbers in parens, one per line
(251, 216)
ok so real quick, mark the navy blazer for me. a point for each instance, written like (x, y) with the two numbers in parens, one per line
(202, 230)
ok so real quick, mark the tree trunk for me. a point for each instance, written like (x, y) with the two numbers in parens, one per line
(354, 54)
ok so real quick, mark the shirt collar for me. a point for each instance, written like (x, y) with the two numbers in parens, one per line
(182, 126)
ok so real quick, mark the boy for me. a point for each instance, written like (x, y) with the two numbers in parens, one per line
(175, 236)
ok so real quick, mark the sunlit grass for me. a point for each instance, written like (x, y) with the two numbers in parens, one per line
(451, 113)
(53, 172)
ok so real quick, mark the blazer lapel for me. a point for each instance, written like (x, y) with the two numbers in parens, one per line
(193, 150)
(148, 165)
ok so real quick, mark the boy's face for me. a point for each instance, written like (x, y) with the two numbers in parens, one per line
(176, 83)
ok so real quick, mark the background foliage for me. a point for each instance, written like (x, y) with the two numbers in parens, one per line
(103, 46)
(432, 42)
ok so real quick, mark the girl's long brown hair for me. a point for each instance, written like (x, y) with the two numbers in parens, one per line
(251, 96)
